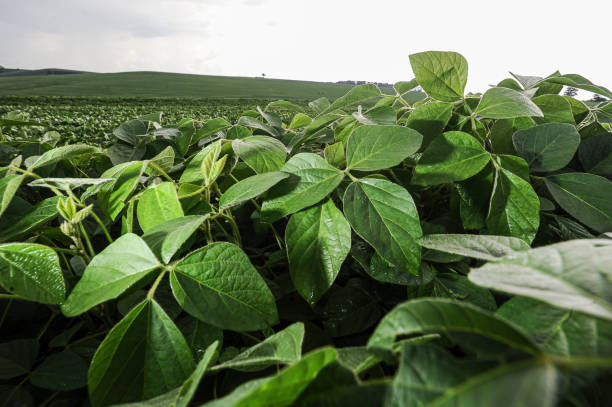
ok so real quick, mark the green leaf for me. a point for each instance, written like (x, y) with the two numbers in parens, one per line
(405, 86)
(425, 372)
(131, 131)
(36, 216)
(8, 187)
(504, 103)
(580, 82)
(218, 285)
(531, 383)
(210, 127)
(67, 184)
(282, 389)
(371, 148)
(158, 205)
(584, 196)
(190, 386)
(199, 335)
(442, 75)
(256, 124)
(164, 160)
(381, 270)
(430, 120)
(17, 357)
(311, 179)
(547, 147)
(514, 209)
(452, 156)
(474, 195)
(427, 315)
(284, 105)
(193, 171)
(559, 331)
(319, 105)
(62, 371)
(358, 94)
(113, 195)
(318, 240)
(385, 216)
(284, 347)
(261, 153)
(143, 356)
(595, 154)
(556, 109)
(334, 154)
(300, 120)
(115, 269)
(571, 275)
(481, 247)
(32, 271)
(503, 130)
(250, 187)
(167, 238)
(62, 153)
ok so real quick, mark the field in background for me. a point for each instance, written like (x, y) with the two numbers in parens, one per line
(160, 84)
(92, 119)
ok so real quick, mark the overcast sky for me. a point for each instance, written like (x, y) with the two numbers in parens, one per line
(322, 40)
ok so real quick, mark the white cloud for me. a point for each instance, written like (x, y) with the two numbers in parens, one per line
(314, 40)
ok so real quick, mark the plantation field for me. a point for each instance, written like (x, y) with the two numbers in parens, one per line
(161, 84)
(93, 119)
(375, 249)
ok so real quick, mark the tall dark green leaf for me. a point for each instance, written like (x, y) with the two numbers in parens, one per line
(218, 285)
(318, 240)
(515, 207)
(584, 196)
(384, 215)
(143, 356)
(547, 147)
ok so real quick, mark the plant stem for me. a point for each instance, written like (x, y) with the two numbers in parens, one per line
(160, 170)
(99, 221)
(158, 280)
(50, 399)
(251, 337)
(235, 230)
(12, 297)
(194, 193)
(44, 329)
(5, 313)
(86, 236)
(582, 361)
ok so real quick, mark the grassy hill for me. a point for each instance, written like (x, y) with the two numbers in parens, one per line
(160, 84)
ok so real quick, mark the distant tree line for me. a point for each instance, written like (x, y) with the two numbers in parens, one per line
(379, 84)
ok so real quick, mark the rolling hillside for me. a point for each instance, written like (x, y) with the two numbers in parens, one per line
(160, 84)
